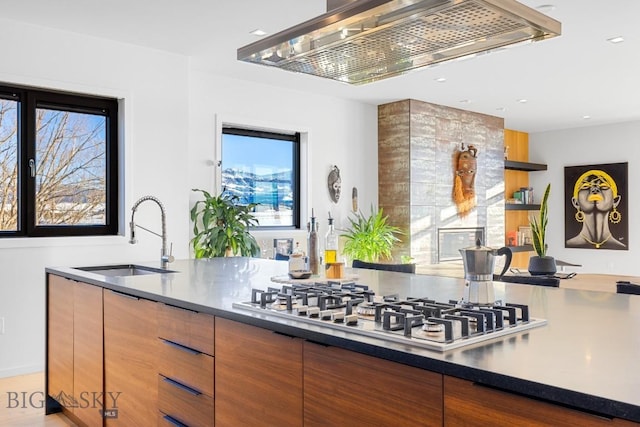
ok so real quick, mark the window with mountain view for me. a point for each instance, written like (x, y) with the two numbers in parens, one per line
(263, 168)
(58, 164)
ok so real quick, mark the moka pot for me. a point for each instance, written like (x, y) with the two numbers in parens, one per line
(479, 263)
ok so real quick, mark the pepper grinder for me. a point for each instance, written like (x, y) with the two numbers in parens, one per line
(312, 240)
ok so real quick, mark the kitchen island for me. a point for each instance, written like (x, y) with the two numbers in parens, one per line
(577, 369)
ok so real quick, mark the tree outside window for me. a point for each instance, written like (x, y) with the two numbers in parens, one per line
(58, 164)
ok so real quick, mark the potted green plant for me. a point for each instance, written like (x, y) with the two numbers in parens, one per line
(541, 264)
(370, 238)
(221, 226)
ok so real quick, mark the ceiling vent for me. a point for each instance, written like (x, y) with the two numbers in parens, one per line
(361, 41)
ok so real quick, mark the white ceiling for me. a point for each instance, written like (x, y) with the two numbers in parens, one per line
(563, 79)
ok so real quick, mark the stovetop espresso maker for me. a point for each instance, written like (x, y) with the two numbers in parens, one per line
(479, 263)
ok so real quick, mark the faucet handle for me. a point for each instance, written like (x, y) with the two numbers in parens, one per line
(170, 257)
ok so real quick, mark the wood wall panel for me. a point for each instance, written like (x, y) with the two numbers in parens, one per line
(518, 143)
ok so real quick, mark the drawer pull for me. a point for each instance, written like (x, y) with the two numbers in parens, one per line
(181, 347)
(173, 421)
(181, 386)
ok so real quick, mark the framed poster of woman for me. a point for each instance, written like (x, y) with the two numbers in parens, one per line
(596, 200)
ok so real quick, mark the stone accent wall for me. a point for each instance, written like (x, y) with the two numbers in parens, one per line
(416, 144)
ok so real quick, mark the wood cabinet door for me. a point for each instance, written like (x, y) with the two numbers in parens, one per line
(60, 340)
(87, 353)
(342, 387)
(468, 404)
(258, 376)
(130, 351)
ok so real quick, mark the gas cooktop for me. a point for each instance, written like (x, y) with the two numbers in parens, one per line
(420, 322)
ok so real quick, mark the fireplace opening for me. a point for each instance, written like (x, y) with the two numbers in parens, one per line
(451, 240)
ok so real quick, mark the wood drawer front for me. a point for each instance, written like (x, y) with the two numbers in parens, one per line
(184, 405)
(341, 385)
(468, 404)
(190, 367)
(186, 327)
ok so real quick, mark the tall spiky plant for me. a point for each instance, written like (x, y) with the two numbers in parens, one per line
(539, 226)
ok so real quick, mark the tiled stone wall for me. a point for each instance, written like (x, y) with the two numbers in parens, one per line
(416, 144)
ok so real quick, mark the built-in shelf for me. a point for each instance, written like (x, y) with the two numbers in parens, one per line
(524, 166)
(523, 248)
(521, 207)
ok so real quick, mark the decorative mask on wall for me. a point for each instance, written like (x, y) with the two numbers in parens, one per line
(464, 167)
(354, 199)
(334, 183)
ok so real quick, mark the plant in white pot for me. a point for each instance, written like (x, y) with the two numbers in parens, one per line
(541, 264)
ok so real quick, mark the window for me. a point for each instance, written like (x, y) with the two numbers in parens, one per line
(58, 164)
(264, 168)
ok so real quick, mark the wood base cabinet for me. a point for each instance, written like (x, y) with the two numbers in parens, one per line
(258, 378)
(130, 359)
(60, 340)
(468, 404)
(185, 367)
(342, 387)
(75, 351)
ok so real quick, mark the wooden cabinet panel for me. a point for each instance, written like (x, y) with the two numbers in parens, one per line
(342, 385)
(258, 378)
(60, 340)
(187, 366)
(87, 353)
(472, 405)
(187, 406)
(130, 352)
(186, 327)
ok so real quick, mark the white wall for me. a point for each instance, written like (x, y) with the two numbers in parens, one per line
(587, 146)
(337, 132)
(169, 138)
(155, 134)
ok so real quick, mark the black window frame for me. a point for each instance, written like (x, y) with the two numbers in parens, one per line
(293, 137)
(29, 100)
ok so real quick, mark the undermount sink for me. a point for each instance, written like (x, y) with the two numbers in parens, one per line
(124, 270)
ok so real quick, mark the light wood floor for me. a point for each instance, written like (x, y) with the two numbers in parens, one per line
(14, 413)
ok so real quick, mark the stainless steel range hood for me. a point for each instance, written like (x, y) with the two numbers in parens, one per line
(362, 41)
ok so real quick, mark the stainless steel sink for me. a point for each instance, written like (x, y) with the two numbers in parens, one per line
(124, 270)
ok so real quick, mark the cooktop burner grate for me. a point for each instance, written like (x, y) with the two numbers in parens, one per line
(418, 322)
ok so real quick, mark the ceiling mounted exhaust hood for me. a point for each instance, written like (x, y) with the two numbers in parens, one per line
(361, 41)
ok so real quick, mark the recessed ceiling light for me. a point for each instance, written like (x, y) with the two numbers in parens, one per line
(522, 101)
(616, 40)
(441, 79)
(545, 8)
(258, 32)
(587, 117)
(465, 101)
